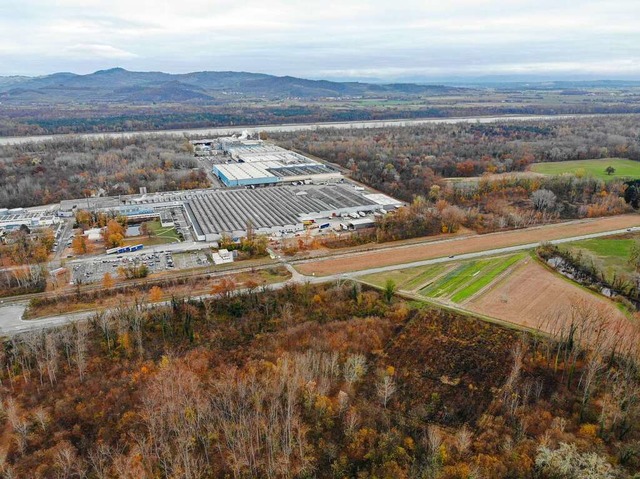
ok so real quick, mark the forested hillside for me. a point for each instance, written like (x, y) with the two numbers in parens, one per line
(326, 382)
(119, 100)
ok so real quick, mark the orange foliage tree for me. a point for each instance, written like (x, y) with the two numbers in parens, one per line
(155, 294)
(79, 244)
(107, 281)
(113, 234)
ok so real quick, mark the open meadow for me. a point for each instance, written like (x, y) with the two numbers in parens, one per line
(610, 254)
(624, 168)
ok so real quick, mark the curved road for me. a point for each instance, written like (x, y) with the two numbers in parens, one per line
(11, 321)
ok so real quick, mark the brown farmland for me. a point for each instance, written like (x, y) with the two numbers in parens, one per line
(465, 245)
(532, 296)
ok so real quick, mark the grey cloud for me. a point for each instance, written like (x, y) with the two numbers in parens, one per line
(323, 37)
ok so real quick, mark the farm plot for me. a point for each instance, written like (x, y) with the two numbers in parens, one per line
(454, 281)
(532, 296)
(468, 278)
(408, 279)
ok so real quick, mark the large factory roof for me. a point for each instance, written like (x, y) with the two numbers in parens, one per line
(243, 171)
(226, 211)
(254, 149)
(254, 162)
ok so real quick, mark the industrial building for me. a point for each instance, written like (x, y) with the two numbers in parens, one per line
(14, 218)
(166, 220)
(274, 211)
(254, 162)
(361, 223)
(223, 256)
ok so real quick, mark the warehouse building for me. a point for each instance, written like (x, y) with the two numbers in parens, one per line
(272, 211)
(13, 219)
(254, 162)
(244, 174)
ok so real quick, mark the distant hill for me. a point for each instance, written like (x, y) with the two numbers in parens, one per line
(120, 85)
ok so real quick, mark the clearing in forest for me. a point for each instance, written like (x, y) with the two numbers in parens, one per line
(623, 168)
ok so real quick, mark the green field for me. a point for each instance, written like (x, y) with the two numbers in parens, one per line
(624, 168)
(407, 279)
(454, 281)
(493, 270)
(469, 277)
(611, 254)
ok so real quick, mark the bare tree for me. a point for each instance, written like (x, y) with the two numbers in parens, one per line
(354, 368)
(41, 417)
(81, 348)
(51, 351)
(543, 200)
(463, 439)
(385, 388)
(351, 421)
(67, 462)
(18, 423)
(588, 381)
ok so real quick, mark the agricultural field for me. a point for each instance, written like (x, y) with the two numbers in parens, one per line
(451, 282)
(533, 296)
(410, 279)
(609, 254)
(514, 288)
(623, 168)
(466, 279)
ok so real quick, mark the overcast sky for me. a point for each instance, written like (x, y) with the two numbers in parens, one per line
(325, 38)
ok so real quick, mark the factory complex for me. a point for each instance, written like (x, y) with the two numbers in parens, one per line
(242, 162)
(263, 188)
(275, 211)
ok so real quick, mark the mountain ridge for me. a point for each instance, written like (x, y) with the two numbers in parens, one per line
(121, 85)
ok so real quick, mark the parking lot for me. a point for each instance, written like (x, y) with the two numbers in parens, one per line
(196, 259)
(94, 271)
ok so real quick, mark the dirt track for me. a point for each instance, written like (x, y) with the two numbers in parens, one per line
(472, 244)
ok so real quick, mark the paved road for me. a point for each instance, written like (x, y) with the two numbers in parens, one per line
(490, 252)
(293, 127)
(11, 315)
